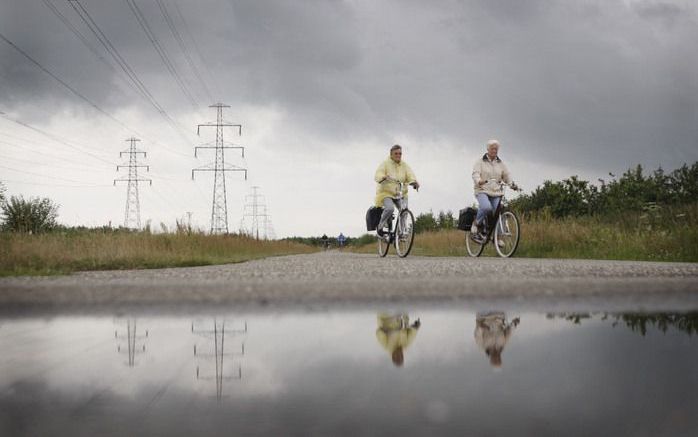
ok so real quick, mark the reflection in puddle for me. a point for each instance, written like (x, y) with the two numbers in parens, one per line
(492, 332)
(395, 334)
(639, 322)
(130, 337)
(420, 372)
(211, 353)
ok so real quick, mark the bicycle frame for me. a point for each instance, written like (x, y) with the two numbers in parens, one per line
(399, 234)
(496, 217)
(401, 204)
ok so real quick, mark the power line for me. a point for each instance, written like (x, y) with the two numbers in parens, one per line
(54, 137)
(77, 33)
(178, 37)
(41, 175)
(38, 164)
(53, 185)
(59, 80)
(143, 22)
(191, 37)
(125, 67)
(47, 155)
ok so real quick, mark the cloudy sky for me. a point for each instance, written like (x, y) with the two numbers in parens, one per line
(324, 88)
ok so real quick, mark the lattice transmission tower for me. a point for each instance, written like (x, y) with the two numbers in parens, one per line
(135, 343)
(256, 220)
(211, 347)
(219, 207)
(132, 214)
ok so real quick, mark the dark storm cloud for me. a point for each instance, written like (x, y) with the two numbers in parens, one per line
(591, 84)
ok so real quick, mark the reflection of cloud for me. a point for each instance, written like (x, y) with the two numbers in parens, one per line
(322, 373)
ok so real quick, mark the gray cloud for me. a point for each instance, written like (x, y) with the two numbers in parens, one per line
(581, 87)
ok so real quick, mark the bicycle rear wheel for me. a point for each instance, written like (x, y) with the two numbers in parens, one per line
(383, 246)
(474, 248)
(404, 233)
(507, 234)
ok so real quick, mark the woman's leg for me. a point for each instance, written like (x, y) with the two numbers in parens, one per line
(484, 207)
(388, 208)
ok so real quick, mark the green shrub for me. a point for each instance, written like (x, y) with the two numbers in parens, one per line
(32, 215)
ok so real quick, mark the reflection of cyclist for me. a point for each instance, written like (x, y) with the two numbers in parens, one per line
(341, 239)
(492, 332)
(395, 334)
(392, 168)
(488, 171)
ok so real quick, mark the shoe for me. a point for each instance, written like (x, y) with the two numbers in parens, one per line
(380, 232)
(473, 229)
(478, 238)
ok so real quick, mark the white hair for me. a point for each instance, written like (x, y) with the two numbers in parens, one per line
(493, 143)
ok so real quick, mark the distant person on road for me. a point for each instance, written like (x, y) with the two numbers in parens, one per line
(392, 168)
(488, 172)
(492, 332)
(341, 239)
(325, 241)
(395, 334)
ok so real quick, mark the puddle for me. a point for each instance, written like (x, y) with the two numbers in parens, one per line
(351, 373)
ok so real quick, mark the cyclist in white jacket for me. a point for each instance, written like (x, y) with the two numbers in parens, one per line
(488, 172)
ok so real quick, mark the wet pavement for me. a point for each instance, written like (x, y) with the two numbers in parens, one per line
(374, 369)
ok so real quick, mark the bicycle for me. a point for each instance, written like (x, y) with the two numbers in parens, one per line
(505, 235)
(402, 235)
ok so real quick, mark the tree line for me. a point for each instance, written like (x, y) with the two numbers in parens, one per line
(634, 190)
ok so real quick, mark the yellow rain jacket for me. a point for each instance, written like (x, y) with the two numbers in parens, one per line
(394, 332)
(401, 172)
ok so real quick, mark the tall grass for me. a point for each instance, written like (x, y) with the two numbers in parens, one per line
(64, 252)
(669, 234)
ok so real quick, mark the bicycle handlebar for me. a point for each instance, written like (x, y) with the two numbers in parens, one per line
(501, 183)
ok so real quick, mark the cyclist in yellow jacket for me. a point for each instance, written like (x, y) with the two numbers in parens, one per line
(392, 168)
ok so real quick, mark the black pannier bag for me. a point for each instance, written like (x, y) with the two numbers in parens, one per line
(373, 216)
(465, 218)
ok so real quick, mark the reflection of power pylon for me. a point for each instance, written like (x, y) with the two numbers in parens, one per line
(132, 348)
(217, 353)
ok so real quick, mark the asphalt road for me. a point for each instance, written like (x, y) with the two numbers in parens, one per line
(335, 278)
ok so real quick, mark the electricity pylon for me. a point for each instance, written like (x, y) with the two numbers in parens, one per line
(219, 208)
(132, 348)
(255, 216)
(269, 233)
(132, 215)
(216, 352)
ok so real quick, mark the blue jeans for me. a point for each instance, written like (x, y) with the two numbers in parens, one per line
(487, 206)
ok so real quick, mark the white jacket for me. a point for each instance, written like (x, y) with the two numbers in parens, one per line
(486, 170)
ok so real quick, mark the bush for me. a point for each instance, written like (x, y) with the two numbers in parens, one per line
(633, 191)
(34, 215)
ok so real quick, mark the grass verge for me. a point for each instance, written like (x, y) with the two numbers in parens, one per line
(619, 238)
(62, 253)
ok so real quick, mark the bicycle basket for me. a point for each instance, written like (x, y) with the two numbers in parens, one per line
(373, 216)
(465, 218)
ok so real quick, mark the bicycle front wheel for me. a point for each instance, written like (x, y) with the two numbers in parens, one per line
(507, 234)
(404, 233)
(383, 246)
